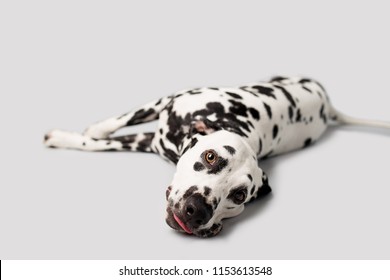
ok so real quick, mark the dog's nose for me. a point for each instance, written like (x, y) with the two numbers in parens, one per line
(196, 211)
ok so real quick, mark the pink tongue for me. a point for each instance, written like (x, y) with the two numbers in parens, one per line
(182, 225)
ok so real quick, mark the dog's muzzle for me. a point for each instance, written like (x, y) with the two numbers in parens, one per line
(192, 215)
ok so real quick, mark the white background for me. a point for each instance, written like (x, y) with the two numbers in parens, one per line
(67, 64)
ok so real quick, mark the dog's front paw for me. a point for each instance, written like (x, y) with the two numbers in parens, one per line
(62, 139)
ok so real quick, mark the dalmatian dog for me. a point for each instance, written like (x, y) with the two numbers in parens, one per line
(215, 136)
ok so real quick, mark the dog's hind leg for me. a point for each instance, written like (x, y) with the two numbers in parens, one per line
(140, 142)
(146, 113)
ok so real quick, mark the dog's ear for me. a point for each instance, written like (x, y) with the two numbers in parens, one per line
(204, 127)
(265, 188)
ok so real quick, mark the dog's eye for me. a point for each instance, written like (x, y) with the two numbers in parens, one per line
(238, 196)
(210, 157)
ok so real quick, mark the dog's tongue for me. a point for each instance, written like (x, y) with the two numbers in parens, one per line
(182, 225)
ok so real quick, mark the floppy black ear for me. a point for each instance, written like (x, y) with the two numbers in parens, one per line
(265, 188)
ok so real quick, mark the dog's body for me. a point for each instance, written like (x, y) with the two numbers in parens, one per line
(215, 136)
(273, 117)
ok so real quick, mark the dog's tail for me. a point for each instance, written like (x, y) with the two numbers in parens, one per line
(342, 119)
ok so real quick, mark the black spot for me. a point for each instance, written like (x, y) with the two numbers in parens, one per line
(126, 146)
(202, 112)
(255, 114)
(307, 89)
(158, 102)
(230, 208)
(215, 203)
(307, 142)
(140, 115)
(230, 149)
(161, 131)
(198, 166)
(83, 143)
(322, 115)
(218, 166)
(299, 116)
(287, 94)
(268, 109)
(267, 91)
(238, 108)
(278, 79)
(207, 191)
(234, 95)
(144, 144)
(260, 146)
(304, 80)
(252, 189)
(275, 131)
(194, 91)
(250, 177)
(290, 113)
(190, 192)
(213, 88)
(216, 107)
(168, 192)
(127, 139)
(185, 149)
(193, 142)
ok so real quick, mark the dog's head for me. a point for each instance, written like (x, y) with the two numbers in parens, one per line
(213, 181)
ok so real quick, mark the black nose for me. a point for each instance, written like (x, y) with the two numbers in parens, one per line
(196, 211)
